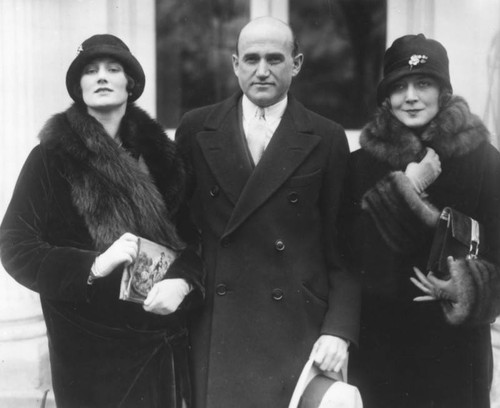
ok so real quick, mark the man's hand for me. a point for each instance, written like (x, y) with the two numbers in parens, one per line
(330, 353)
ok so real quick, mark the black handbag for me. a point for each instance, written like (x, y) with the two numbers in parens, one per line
(457, 235)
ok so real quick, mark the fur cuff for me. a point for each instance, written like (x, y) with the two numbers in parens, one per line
(402, 217)
(477, 283)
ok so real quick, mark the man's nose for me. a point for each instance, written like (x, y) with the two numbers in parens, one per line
(263, 68)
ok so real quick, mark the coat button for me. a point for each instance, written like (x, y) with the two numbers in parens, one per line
(214, 191)
(221, 289)
(277, 294)
(225, 242)
(279, 245)
(293, 197)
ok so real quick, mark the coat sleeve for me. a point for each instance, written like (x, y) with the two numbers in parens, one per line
(477, 282)
(189, 265)
(344, 300)
(477, 285)
(401, 215)
(56, 272)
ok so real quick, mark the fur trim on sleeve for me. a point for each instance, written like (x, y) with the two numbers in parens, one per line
(402, 217)
(477, 283)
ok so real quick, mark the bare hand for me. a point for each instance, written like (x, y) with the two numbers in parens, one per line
(166, 296)
(330, 353)
(434, 288)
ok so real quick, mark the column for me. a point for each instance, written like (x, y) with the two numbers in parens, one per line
(274, 8)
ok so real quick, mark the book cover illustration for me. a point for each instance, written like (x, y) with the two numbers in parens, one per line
(150, 266)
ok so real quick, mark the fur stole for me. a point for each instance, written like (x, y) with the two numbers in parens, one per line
(135, 189)
(453, 132)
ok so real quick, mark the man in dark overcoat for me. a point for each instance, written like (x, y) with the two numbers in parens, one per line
(267, 179)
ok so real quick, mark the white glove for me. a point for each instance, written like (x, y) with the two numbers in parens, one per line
(424, 173)
(123, 250)
(166, 296)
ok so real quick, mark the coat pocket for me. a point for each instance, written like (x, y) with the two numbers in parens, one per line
(304, 179)
(311, 295)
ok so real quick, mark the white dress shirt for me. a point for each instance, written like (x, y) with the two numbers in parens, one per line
(261, 133)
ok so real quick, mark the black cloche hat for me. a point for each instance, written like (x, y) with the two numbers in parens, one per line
(104, 45)
(414, 54)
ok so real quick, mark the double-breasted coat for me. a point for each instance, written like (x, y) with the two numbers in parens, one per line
(275, 282)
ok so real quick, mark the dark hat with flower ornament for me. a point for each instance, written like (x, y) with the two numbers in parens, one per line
(414, 54)
(104, 45)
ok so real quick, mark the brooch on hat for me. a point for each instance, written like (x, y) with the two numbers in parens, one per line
(417, 59)
(79, 49)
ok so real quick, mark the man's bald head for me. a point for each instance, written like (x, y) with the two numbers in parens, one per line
(265, 62)
(265, 23)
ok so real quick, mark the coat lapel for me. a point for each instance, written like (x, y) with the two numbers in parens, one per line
(288, 148)
(223, 150)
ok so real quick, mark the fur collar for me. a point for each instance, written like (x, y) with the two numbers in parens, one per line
(454, 132)
(137, 189)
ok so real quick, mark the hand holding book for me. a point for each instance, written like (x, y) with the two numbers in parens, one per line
(166, 296)
(150, 266)
(122, 251)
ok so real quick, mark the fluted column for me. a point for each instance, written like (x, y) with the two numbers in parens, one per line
(274, 8)
(38, 40)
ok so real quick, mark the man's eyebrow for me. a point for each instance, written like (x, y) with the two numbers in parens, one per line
(275, 55)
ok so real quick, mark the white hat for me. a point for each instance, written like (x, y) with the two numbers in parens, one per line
(318, 389)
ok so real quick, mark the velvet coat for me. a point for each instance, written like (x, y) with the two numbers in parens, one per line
(422, 354)
(76, 194)
(274, 280)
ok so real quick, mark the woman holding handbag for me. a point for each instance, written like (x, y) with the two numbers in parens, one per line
(104, 174)
(423, 151)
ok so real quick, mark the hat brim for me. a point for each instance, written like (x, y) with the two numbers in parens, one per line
(309, 372)
(131, 65)
(384, 87)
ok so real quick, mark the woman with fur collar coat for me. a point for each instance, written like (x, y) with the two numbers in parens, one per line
(103, 175)
(424, 342)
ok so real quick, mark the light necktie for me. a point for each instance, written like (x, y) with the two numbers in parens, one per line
(257, 135)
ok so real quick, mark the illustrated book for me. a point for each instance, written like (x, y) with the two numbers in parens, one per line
(149, 267)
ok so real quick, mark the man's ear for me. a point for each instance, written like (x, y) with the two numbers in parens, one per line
(297, 64)
(236, 63)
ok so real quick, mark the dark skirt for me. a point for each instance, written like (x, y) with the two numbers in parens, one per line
(97, 366)
(410, 357)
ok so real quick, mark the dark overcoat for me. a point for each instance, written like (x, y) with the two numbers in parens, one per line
(274, 282)
(78, 192)
(422, 354)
